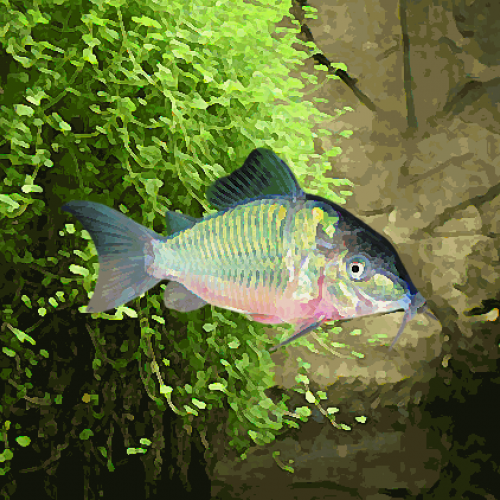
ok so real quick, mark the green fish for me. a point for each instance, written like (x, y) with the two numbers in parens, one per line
(272, 252)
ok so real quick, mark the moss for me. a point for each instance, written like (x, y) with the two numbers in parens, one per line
(138, 108)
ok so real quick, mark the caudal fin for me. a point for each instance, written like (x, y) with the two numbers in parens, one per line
(125, 254)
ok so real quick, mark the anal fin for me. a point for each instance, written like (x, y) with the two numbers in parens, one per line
(178, 297)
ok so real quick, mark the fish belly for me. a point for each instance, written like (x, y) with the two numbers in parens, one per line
(220, 292)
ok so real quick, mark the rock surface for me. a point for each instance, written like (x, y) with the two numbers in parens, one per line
(424, 158)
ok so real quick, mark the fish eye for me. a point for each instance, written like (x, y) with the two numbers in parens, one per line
(358, 267)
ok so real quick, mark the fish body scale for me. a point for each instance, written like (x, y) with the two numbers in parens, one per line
(247, 258)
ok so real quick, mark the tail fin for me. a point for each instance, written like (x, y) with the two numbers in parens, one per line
(125, 253)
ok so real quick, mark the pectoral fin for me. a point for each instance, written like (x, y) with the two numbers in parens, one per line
(178, 297)
(302, 329)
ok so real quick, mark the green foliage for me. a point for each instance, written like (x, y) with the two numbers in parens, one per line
(141, 106)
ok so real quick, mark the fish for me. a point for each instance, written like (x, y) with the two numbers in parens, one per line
(271, 251)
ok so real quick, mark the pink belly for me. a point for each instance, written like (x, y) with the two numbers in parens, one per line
(253, 300)
(262, 303)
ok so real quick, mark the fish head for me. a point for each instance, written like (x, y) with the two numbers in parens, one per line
(359, 284)
(363, 272)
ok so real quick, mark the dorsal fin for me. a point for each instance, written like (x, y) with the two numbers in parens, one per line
(262, 174)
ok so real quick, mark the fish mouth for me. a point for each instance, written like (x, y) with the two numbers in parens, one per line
(418, 300)
(417, 305)
(420, 306)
